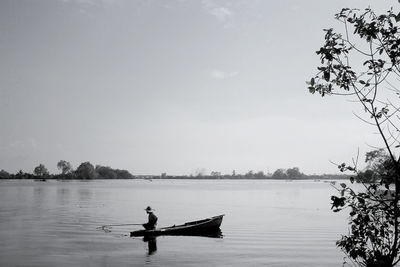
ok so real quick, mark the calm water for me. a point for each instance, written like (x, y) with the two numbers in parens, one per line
(267, 223)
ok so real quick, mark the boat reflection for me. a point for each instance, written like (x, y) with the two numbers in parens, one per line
(151, 243)
(152, 240)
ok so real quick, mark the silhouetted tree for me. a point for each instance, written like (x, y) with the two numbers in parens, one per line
(249, 175)
(123, 174)
(65, 167)
(41, 171)
(259, 175)
(105, 172)
(4, 175)
(216, 174)
(294, 173)
(380, 168)
(199, 172)
(86, 171)
(279, 174)
(364, 62)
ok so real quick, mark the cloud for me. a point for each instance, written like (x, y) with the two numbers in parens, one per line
(83, 2)
(221, 75)
(90, 3)
(221, 13)
(88, 7)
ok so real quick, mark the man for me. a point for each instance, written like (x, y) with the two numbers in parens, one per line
(151, 224)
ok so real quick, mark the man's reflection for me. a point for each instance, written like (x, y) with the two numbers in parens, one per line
(152, 240)
(152, 244)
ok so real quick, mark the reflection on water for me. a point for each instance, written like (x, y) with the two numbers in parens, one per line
(152, 240)
(38, 194)
(151, 243)
(210, 234)
(268, 223)
(85, 194)
(63, 195)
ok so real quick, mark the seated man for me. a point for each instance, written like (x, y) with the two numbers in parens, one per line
(151, 224)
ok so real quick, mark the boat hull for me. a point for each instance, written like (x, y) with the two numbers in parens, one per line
(208, 227)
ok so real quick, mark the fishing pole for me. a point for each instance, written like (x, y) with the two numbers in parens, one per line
(124, 224)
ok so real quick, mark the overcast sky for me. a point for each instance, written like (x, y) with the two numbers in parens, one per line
(172, 86)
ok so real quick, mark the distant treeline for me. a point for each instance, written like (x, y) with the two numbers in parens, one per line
(86, 171)
(280, 174)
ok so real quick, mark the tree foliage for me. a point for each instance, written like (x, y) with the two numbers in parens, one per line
(4, 175)
(380, 168)
(294, 173)
(279, 174)
(291, 173)
(65, 167)
(86, 171)
(103, 172)
(372, 221)
(363, 63)
(41, 171)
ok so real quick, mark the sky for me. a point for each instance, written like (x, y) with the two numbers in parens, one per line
(172, 86)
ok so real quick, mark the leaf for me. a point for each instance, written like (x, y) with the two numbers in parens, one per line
(312, 81)
(327, 75)
(397, 18)
(362, 82)
(343, 185)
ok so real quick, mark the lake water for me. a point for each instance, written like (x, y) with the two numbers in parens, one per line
(266, 223)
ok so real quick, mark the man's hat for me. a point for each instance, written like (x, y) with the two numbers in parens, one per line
(149, 209)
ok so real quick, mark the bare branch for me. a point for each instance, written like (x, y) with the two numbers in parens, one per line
(367, 122)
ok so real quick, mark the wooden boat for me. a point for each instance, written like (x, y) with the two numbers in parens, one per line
(206, 227)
